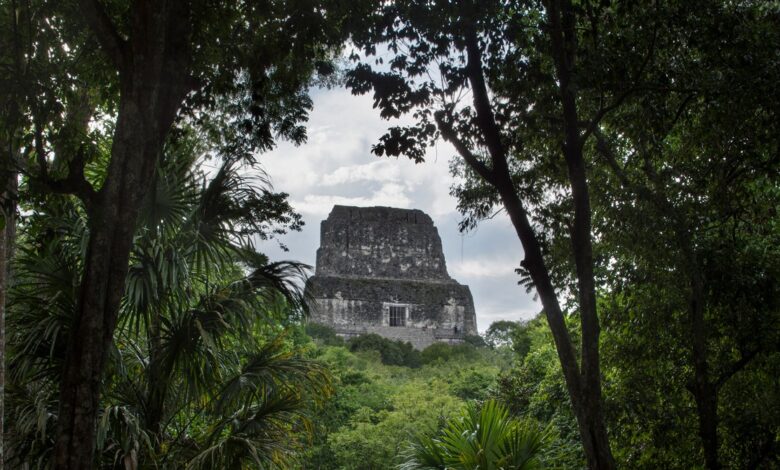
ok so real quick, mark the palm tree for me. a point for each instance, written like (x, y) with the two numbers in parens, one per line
(484, 438)
(201, 374)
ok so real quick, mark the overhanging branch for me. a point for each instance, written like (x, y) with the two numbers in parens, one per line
(486, 120)
(449, 134)
(105, 31)
(75, 183)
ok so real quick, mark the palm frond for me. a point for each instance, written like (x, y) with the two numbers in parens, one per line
(424, 453)
(273, 368)
(121, 436)
(196, 338)
(525, 446)
(483, 437)
(41, 308)
(285, 278)
(262, 433)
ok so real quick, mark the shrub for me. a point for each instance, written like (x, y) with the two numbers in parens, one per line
(392, 352)
(475, 340)
(482, 437)
(324, 335)
(473, 384)
(446, 352)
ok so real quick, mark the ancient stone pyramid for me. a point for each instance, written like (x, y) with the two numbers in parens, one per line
(382, 270)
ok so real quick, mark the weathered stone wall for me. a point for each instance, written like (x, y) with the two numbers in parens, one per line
(373, 258)
(380, 242)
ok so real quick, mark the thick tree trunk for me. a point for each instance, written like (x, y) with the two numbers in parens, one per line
(154, 67)
(138, 141)
(112, 225)
(563, 38)
(706, 398)
(703, 387)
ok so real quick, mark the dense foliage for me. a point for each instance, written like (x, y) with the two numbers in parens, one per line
(377, 408)
(200, 373)
(651, 416)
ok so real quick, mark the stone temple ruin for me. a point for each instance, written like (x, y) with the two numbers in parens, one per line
(382, 270)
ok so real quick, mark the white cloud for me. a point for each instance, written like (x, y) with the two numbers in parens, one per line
(483, 268)
(379, 171)
(336, 167)
(390, 194)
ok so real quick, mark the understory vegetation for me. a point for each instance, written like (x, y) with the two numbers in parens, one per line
(381, 414)
(379, 406)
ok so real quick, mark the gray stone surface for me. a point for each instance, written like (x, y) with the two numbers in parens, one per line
(374, 258)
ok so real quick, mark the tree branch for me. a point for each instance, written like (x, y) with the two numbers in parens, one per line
(107, 35)
(619, 100)
(603, 147)
(449, 134)
(75, 183)
(736, 367)
(485, 118)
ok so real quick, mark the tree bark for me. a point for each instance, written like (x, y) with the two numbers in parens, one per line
(157, 380)
(589, 419)
(154, 79)
(7, 239)
(583, 385)
(3, 287)
(703, 387)
(563, 39)
(9, 159)
(112, 224)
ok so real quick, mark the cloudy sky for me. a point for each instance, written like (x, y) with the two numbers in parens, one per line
(336, 167)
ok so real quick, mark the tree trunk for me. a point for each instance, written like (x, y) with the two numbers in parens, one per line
(706, 397)
(9, 159)
(584, 385)
(589, 418)
(157, 380)
(3, 287)
(6, 240)
(563, 39)
(703, 386)
(8, 197)
(154, 79)
(112, 221)
(112, 225)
